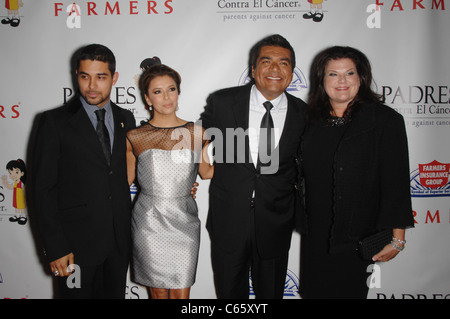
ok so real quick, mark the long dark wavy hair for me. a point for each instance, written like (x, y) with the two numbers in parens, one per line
(318, 101)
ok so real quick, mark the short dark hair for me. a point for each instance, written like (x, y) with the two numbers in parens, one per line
(155, 71)
(96, 52)
(271, 40)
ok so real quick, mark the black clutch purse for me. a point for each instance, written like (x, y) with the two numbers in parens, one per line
(372, 245)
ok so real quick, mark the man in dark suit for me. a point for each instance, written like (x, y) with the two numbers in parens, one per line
(251, 212)
(80, 186)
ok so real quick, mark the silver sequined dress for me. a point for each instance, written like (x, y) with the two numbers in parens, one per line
(165, 223)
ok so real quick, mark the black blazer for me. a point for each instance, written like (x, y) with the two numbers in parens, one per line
(371, 176)
(82, 204)
(235, 178)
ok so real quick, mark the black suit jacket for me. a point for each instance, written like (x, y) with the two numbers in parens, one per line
(235, 177)
(371, 176)
(82, 204)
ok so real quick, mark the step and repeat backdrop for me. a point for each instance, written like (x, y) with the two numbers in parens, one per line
(208, 42)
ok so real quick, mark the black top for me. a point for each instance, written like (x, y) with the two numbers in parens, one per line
(318, 162)
(360, 173)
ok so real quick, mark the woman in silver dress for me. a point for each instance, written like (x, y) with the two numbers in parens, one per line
(165, 155)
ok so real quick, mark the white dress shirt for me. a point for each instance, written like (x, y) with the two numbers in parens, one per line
(257, 111)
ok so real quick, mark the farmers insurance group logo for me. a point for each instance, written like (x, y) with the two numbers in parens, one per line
(431, 180)
(76, 11)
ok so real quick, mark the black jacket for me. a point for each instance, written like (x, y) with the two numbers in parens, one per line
(371, 176)
(235, 177)
(83, 205)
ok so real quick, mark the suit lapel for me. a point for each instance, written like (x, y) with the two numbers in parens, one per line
(82, 125)
(241, 113)
(363, 120)
(241, 107)
(119, 134)
(291, 125)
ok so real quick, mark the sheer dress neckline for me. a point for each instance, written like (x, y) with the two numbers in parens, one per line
(147, 136)
(169, 127)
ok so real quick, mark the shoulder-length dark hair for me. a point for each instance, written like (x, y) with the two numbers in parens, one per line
(318, 101)
(152, 72)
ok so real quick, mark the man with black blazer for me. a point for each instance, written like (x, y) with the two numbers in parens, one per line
(251, 207)
(80, 189)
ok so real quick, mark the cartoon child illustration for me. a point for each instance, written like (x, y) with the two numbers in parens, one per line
(315, 12)
(17, 173)
(13, 12)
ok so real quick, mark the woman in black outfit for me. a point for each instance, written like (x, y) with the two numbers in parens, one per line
(356, 174)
